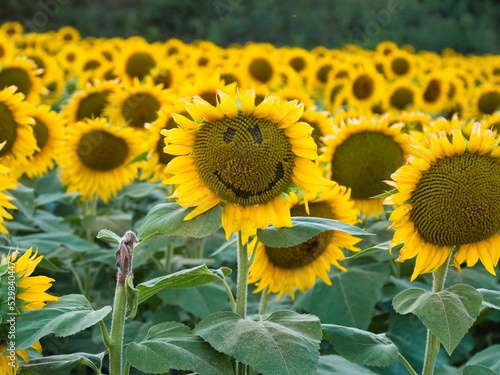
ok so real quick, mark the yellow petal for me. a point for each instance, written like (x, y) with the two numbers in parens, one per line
(227, 104)
(247, 102)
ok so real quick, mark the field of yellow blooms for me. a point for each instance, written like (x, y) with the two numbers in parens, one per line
(182, 208)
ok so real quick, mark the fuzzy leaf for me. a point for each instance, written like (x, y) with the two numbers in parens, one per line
(61, 364)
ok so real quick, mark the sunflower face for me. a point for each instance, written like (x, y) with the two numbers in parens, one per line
(443, 211)
(244, 160)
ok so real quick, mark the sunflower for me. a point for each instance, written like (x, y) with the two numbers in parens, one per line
(49, 132)
(13, 29)
(361, 154)
(365, 88)
(486, 100)
(402, 94)
(7, 47)
(399, 64)
(281, 270)
(70, 57)
(167, 73)
(30, 295)
(24, 74)
(260, 65)
(90, 102)
(16, 128)
(137, 103)
(317, 76)
(492, 122)
(447, 198)
(332, 93)
(320, 122)
(294, 92)
(94, 158)
(6, 182)
(435, 92)
(243, 156)
(205, 85)
(297, 58)
(136, 60)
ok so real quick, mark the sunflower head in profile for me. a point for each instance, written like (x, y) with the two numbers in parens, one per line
(30, 295)
(281, 270)
(94, 158)
(243, 156)
(361, 154)
(447, 199)
(6, 182)
(16, 129)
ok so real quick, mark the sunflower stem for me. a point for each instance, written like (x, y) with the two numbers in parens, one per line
(407, 364)
(264, 300)
(432, 344)
(242, 290)
(117, 326)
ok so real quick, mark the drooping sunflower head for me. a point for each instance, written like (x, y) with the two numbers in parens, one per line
(244, 156)
(30, 295)
(363, 153)
(94, 158)
(447, 198)
(282, 270)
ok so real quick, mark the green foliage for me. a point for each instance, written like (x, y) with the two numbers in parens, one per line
(62, 364)
(171, 345)
(283, 343)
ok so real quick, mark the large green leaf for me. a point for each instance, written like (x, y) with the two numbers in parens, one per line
(61, 364)
(302, 230)
(362, 347)
(351, 298)
(447, 314)
(46, 242)
(167, 219)
(488, 358)
(71, 314)
(188, 278)
(337, 365)
(172, 345)
(478, 370)
(491, 298)
(24, 200)
(284, 343)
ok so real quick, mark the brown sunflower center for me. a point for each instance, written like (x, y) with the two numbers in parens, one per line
(363, 87)
(17, 77)
(400, 66)
(364, 160)
(244, 160)
(322, 73)
(92, 105)
(305, 253)
(297, 63)
(140, 108)
(401, 98)
(456, 200)
(41, 134)
(102, 151)
(261, 70)
(9, 129)
(432, 91)
(489, 102)
(139, 64)
(164, 78)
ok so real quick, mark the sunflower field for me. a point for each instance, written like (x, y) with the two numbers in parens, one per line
(184, 208)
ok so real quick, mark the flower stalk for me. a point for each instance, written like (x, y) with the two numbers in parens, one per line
(242, 289)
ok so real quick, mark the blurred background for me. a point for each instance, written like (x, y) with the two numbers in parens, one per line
(467, 26)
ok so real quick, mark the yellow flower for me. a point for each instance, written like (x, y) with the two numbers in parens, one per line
(24, 74)
(243, 156)
(6, 182)
(94, 158)
(447, 197)
(30, 295)
(281, 270)
(361, 154)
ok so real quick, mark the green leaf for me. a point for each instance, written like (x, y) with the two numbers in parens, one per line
(188, 278)
(302, 230)
(71, 314)
(351, 298)
(337, 365)
(131, 295)
(24, 200)
(168, 220)
(141, 157)
(61, 364)
(171, 345)
(488, 358)
(491, 298)
(447, 314)
(362, 347)
(384, 246)
(106, 234)
(478, 370)
(44, 199)
(284, 343)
